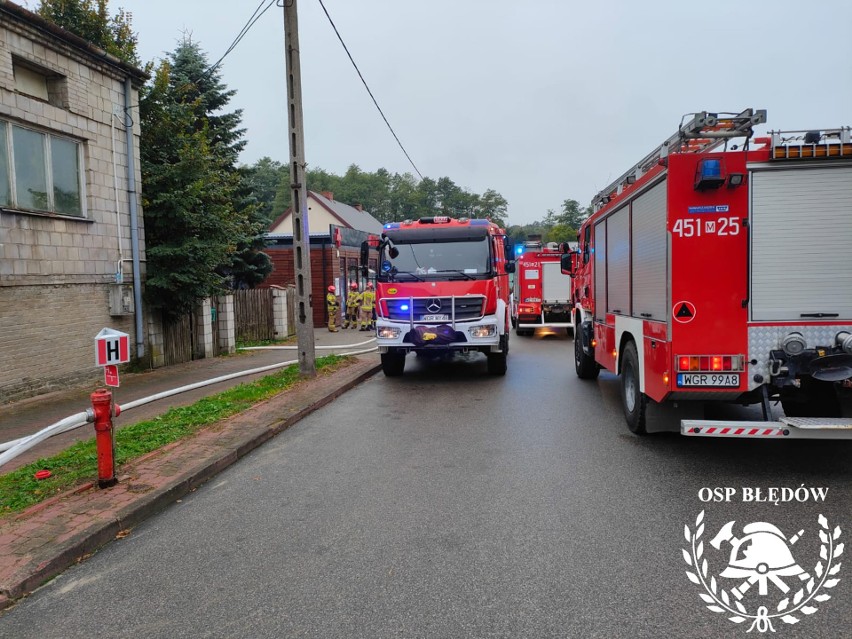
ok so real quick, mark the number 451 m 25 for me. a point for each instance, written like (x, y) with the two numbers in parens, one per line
(698, 227)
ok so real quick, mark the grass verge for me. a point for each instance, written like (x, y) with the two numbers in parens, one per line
(79, 463)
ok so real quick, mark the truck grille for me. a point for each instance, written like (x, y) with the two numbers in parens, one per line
(466, 308)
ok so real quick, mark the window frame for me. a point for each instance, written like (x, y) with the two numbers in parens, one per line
(13, 204)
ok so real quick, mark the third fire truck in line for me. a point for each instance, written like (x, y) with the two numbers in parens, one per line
(542, 294)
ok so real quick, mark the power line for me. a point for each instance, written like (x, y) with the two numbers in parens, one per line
(345, 48)
(251, 21)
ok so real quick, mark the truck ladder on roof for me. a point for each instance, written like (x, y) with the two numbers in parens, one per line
(704, 132)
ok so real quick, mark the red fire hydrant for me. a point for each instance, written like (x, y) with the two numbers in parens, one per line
(104, 410)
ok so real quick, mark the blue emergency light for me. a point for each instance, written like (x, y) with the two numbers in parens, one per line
(709, 174)
(403, 307)
(519, 250)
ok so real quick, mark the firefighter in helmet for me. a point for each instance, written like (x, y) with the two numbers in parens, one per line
(332, 305)
(368, 302)
(353, 303)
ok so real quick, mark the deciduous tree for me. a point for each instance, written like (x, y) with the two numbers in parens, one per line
(90, 20)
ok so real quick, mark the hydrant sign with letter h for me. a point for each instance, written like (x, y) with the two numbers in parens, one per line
(111, 348)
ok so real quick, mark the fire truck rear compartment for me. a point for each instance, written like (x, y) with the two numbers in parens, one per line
(801, 236)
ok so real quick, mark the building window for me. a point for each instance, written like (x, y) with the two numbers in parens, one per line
(30, 82)
(5, 185)
(40, 171)
(40, 83)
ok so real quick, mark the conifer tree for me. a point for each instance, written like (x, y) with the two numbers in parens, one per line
(199, 87)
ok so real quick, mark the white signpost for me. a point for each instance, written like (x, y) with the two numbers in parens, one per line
(111, 348)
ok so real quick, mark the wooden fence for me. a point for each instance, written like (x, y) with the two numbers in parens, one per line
(253, 315)
(178, 339)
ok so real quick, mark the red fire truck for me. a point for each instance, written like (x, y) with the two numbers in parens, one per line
(542, 293)
(443, 288)
(719, 271)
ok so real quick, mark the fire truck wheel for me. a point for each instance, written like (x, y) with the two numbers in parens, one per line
(497, 363)
(524, 332)
(585, 365)
(393, 364)
(817, 399)
(633, 400)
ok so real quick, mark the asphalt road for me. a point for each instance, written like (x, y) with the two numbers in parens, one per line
(447, 503)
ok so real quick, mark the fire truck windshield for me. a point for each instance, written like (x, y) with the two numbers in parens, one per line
(456, 258)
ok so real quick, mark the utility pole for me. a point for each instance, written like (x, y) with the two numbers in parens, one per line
(299, 200)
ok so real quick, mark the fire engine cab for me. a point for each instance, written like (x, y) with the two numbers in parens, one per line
(442, 288)
(719, 268)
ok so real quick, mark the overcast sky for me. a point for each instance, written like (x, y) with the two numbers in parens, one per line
(540, 100)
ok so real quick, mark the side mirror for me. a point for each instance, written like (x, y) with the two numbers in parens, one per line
(510, 266)
(566, 262)
(393, 252)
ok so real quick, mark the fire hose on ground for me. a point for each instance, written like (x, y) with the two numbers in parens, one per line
(12, 449)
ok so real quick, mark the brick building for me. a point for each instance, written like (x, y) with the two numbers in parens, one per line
(330, 264)
(66, 203)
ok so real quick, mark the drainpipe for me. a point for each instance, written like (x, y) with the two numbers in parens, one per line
(134, 218)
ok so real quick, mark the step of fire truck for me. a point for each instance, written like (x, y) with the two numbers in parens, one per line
(704, 132)
(785, 427)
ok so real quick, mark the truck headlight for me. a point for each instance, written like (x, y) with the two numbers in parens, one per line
(794, 343)
(486, 330)
(388, 332)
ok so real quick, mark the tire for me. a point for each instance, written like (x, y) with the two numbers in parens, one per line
(816, 399)
(393, 364)
(585, 365)
(524, 332)
(633, 400)
(497, 362)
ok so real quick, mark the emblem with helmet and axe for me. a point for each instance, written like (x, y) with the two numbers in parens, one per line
(761, 555)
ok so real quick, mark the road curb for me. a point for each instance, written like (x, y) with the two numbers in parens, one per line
(58, 558)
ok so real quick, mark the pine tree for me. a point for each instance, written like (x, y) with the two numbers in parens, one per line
(187, 192)
(199, 88)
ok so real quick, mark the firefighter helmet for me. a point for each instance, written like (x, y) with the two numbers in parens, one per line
(370, 285)
(331, 289)
(354, 286)
(763, 548)
(761, 555)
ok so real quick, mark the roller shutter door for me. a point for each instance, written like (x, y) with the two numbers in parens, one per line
(801, 243)
(650, 255)
(618, 261)
(600, 270)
